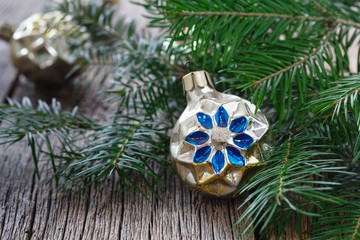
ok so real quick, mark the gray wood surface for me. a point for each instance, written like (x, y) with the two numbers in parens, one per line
(32, 209)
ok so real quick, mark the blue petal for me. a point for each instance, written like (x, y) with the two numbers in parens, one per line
(205, 120)
(202, 154)
(235, 157)
(218, 161)
(221, 117)
(243, 140)
(197, 138)
(238, 125)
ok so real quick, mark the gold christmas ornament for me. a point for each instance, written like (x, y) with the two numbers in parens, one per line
(217, 141)
(87, 2)
(40, 48)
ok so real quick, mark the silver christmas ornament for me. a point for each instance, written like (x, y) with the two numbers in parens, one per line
(217, 142)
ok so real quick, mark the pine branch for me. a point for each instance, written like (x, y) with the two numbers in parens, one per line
(339, 222)
(149, 75)
(83, 152)
(145, 75)
(267, 49)
(328, 20)
(341, 103)
(340, 99)
(282, 173)
(356, 233)
(96, 19)
(296, 64)
(127, 140)
(23, 121)
(288, 185)
(125, 145)
(141, 73)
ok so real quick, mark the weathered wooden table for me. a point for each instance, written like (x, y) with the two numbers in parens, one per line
(30, 209)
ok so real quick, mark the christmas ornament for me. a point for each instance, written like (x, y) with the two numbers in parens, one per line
(217, 142)
(40, 49)
(87, 2)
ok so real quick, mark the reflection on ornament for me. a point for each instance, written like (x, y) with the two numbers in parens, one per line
(41, 47)
(217, 142)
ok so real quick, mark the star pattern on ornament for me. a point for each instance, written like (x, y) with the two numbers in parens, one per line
(220, 139)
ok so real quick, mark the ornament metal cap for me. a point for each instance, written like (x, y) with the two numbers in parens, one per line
(198, 79)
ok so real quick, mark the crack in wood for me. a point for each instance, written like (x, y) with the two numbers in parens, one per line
(30, 231)
(122, 212)
(66, 219)
(48, 211)
(87, 207)
(3, 220)
(231, 222)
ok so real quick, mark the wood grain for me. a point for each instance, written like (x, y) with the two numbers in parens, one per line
(32, 209)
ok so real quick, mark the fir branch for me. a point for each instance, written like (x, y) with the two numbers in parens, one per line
(96, 19)
(340, 99)
(316, 51)
(272, 49)
(83, 152)
(139, 71)
(341, 104)
(125, 145)
(24, 120)
(338, 222)
(282, 173)
(143, 74)
(356, 233)
(318, 6)
(203, 27)
(21, 120)
(329, 20)
(307, 75)
(127, 140)
(287, 184)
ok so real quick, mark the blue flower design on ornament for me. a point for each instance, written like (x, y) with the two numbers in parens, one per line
(218, 137)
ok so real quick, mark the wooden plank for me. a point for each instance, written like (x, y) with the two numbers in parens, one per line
(16, 193)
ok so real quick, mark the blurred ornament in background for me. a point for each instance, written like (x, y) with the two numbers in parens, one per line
(217, 142)
(41, 47)
(87, 2)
